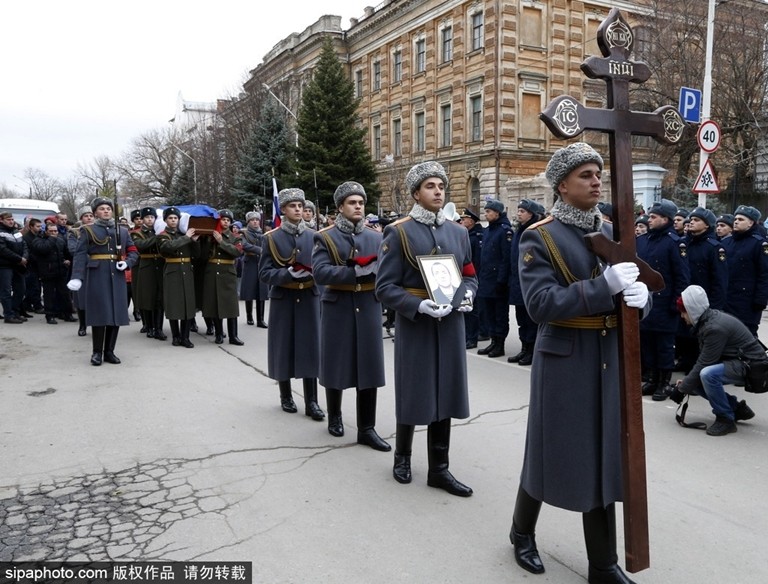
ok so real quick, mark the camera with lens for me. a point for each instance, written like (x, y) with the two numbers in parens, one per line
(676, 395)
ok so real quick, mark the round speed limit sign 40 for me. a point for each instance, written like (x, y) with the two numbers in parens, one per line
(709, 136)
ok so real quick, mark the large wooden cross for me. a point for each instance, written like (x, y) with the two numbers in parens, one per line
(567, 118)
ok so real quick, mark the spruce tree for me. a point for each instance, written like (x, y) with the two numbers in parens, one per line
(332, 146)
(183, 186)
(267, 149)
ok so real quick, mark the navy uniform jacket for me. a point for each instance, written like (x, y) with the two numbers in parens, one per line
(667, 253)
(293, 336)
(430, 353)
(492, 280)
(351, 346)
(748, 276)
(709, 267)
(515, 291)
(476, 235)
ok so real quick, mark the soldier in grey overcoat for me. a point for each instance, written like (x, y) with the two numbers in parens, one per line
(179, 250)
(220, 282)
(573, 445)
(148, 279)
(430, 353)
(344, 262)
(85, 214)
(99, 267)
(252, 289)
(293, 339)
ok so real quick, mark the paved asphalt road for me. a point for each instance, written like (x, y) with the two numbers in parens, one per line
(185, 454)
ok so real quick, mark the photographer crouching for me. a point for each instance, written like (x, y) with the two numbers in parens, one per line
(727, 353)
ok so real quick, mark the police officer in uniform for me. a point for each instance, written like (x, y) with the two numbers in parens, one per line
(148, 278)
(99, 268)
(747, 269)
(430, 346)
(179, 250)
(293, 339)
(344, 262)
(472, 319)
(252, 289)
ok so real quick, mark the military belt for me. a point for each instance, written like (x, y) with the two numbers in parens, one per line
(588, 322)
(299, 285)
(150, 256)
(102, 256)
(420, 292)
(361, 287)
(220, 261)
(177, 260)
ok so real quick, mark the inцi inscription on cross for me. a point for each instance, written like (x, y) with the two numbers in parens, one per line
(567, 118)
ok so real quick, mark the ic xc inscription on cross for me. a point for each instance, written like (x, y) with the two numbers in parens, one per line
(567, 118)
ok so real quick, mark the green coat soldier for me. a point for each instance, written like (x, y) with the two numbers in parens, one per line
(148, 278)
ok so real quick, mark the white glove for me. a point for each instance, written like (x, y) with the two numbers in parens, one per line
(121, 266)
(620, 276)
(74, 285)
(298, 274)
(434, 310)
(636, 295)
(468, 300)
(365, 270)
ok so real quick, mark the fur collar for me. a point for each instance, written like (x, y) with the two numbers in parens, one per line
(105, 222)
(421, 215)
(590, 221)
(293, 229)
(346, 226)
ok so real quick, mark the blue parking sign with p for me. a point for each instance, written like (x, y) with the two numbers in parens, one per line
(690, 105)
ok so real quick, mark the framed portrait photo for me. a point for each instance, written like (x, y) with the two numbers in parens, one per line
(442, 278)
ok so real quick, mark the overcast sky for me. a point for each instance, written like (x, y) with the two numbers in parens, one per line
(82, 78)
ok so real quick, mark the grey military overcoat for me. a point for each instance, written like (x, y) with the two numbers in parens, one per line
(251, 287)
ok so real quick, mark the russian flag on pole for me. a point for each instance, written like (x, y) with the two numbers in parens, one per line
(275, 205)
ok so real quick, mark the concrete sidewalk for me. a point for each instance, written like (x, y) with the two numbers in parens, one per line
(185, 454)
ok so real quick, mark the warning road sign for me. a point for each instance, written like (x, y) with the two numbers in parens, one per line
(707, 181)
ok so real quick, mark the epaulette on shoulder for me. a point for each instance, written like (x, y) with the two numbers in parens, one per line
(714, 242)
(674, 235)
(542, 222)
(759, 237)
(401, 220)
(324, 229)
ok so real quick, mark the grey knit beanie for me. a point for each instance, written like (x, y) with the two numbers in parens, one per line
(289, 196)
(419, 173)
(569, 158)
(346, 189)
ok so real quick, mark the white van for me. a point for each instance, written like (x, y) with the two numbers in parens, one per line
(23, 208)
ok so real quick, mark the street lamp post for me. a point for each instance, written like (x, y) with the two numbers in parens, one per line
(286, 108)
(194, 168)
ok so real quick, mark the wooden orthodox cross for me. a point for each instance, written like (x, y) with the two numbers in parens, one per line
(566, 118)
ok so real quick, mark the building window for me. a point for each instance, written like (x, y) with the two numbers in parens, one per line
(376, 76)
(377, 142)
(447, 45)
(397, 66)
(421, 56)
(477, 31)
(419, 129)
(530, 126)
(397, 137)
(476, 117)
(532, 27)
(445, 126)
(358, 83)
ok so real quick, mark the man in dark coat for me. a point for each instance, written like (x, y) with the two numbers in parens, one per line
(344, 263)
(724, 229)
(493, 279)
(747, 269)
(53, 264)
(13, 263)
(252, 289)
(179, 294)
(33, 291)
(430, 350)
(220, 282)
(725, 345)
(667, 253)
(473, 322)
(528, 213)
(148, 277)
(99, 267)
(293, 338)
(573, 443)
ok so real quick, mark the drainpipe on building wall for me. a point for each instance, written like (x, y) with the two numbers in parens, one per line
(498, 85)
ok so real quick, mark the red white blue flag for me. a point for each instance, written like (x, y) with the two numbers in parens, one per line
(275, 205)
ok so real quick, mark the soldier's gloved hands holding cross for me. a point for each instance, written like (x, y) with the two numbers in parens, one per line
(620, 276)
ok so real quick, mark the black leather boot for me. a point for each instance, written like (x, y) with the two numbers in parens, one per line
(97, 334)
(649, 387)
(366, 421)
(81, 332)
(333, 399)
(600, 537)
(522, 534)
(260, 323)
(403, 448)
(249, 312)
(663, 389)
(311, 408)
(232, 331)
(498, 349)
(527, 357)
(516, 358)
(208, 326)
(218, 327)
(159, 317)
(175, 333)
(489, 348)
(193, 325)
(110, 340)
(286, 397)
(184, 340)
(148, 323)
(438, 444)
